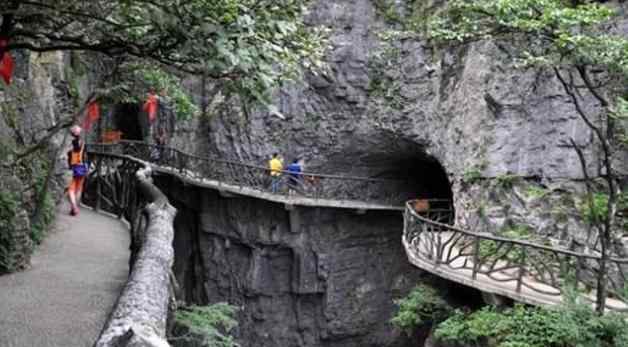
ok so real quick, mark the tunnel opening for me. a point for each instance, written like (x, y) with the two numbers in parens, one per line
(423, 178)
(414, 173)
(126, 119)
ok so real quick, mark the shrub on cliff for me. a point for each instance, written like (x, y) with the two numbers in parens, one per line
(208, 325)
(524, 326)
(423, 305)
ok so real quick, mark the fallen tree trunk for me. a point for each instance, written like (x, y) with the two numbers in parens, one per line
(139, 317)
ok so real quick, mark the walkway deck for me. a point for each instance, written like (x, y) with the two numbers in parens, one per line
(240, 178)
(294, 200)
(533, 273)
(67, 294)
(499, 283)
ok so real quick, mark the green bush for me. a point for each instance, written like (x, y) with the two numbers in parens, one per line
(8, 208)
(471, 176)
(595, 208)
(213, 323)
(536, 192)
(506, 181)
(567, 326)
(488, 248)
(423, 305)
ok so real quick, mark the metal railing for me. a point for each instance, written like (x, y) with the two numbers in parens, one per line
(519, 265)
(121, 185)
(382, 191)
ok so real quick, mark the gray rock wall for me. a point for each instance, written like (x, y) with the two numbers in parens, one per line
(385, 105)
(305, 277)
(43, 93)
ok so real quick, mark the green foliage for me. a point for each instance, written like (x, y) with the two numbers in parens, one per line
(570, 325)
(140, 78)
(212, 322)
(252, 46)
(9, 204)
(38, 229)
(536, 192)
(557, 32)
(488, 249)
(595, 208)
(423, 305)
(471, 175)
(387, 10)
(619, 113)
(506, 181)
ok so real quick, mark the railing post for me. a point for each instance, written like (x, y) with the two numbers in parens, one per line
(522, 267)
(476, 257)
(439, 244)
(98, 178)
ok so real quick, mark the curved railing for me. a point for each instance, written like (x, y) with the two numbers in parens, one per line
(122, 185)
(524, 271)
(382, 191)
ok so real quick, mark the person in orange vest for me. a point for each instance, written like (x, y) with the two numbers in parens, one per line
(77, 164)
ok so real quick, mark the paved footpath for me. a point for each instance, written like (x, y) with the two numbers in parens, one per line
(64, 298)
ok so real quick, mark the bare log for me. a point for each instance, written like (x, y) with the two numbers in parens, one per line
(139, 317)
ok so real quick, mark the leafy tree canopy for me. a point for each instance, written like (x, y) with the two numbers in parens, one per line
(575, 39)
(249, 44)
(558, 31)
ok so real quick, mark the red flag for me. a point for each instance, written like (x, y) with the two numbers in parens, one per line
(93, 113)
(6, 63)
(150, 107)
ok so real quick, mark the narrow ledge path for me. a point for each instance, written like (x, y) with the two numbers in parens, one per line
(65, 297)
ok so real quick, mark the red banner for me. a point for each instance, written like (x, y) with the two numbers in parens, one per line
(93, 113)
(150, 107)
(6, 63)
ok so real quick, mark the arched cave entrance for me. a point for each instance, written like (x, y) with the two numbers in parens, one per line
(126, 118)
(419, 175)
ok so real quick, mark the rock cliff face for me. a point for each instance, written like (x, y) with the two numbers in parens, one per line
(304, 277)
(403, 109)
(385, 105)
(43, 94)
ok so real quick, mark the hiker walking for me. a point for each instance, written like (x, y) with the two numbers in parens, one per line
(157, 152)
(276, 166)
(294, 175)
(77, 164)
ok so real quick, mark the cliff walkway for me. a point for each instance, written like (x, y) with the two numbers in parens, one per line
(120, 183)
(233, 177)
(75, 279)
(532, 273)
(524, 271)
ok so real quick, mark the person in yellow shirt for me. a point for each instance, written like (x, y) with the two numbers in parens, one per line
(276, 166)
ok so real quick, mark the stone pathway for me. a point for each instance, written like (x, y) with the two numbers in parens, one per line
(65, 297)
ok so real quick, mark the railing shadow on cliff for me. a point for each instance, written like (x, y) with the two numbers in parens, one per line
(122, 185)
(521, 270)
(382, 191)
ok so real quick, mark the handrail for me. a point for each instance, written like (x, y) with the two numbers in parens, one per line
(244, 164)
(519, 269)
(141, 311)
(325, 189)
(492, 237)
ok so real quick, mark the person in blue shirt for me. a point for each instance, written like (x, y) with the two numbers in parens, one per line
(294, 175)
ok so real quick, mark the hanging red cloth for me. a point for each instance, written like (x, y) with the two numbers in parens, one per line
(93, 113)
(6, 62)
(150, 107)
